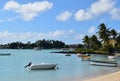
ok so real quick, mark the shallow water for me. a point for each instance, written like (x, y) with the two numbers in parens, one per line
(70, 67)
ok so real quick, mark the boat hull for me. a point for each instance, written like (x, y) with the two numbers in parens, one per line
(111, 57)
(42, 66)
(103, 63)
(5, 54)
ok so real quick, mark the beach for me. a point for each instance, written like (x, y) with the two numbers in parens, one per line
(109, 77)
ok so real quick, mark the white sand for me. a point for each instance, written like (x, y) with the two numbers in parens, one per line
(109, 77)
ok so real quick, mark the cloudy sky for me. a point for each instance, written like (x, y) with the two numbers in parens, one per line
(65, 20)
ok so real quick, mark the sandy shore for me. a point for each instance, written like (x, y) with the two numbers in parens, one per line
(109, 77)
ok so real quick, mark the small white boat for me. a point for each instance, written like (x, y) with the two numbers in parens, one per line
(111, 57)
(117, 54)
(5, 54)
(37, 48)
(103, 63)
(79, 55)
(41, 66)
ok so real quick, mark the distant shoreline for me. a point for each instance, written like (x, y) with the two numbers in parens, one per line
(73, 52)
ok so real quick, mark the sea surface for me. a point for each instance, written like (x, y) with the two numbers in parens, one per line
(71, 68)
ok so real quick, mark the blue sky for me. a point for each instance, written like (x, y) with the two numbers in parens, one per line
(65, 20)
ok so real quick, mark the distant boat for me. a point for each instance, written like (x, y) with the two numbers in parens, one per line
(111, 57)
(79, 55)
(68, 55)
(103, 63)
(83, 55)
(117, 54)
(5, 54)
(37, 48)
(41, 66)
(85, 58)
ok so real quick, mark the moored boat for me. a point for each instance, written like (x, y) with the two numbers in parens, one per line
(85, 58)
(111, 57)
(68, 55)
(103, 63)
(37, 48)
(5, 54)
(41, 66)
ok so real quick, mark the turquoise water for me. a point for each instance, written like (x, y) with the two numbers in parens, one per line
(70, 67)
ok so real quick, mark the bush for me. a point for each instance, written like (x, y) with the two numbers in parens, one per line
(83, 50)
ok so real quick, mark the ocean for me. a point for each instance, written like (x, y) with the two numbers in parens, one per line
(71, 68)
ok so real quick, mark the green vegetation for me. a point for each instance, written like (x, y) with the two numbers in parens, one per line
(43, 44)
(105, 41)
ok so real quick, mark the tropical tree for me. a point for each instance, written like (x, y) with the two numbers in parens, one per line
(95, 43)
(86, 41)
(103, 33)
(113, 34)
(118, 41)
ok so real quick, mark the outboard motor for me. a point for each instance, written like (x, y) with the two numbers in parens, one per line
(29, 64)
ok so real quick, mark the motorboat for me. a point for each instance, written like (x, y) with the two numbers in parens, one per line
(85, 58)
(103, 63)
(111, 57)
(41, 66)
(117, 54)
(83, 55)
(68, 55)
(79, 55)
(5, 54)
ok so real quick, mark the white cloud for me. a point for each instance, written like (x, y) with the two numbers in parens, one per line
(81, 15)
(91, 30)
(102, 6)
(11, 5)
(97, 8)
(115, 13)
(30, 10)
(6, 36)
(64, 16)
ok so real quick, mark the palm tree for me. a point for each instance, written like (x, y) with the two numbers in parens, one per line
(86, 41)
(118, 41)
(95, 43)
(103, 33)
(113, 34)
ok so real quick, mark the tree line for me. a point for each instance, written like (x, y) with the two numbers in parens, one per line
(43, 44)
(105, 39)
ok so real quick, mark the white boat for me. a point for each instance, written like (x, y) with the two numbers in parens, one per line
(41, 66)
(5, 54)
(37, 48)
(117, 54)
(111, 57)
(103, 63)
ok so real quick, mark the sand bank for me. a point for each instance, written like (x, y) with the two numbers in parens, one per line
(109, 77)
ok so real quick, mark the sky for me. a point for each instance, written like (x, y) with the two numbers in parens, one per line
(65, 20)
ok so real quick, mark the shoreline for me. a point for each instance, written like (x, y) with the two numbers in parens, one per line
(115, 76)
(73, 52)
